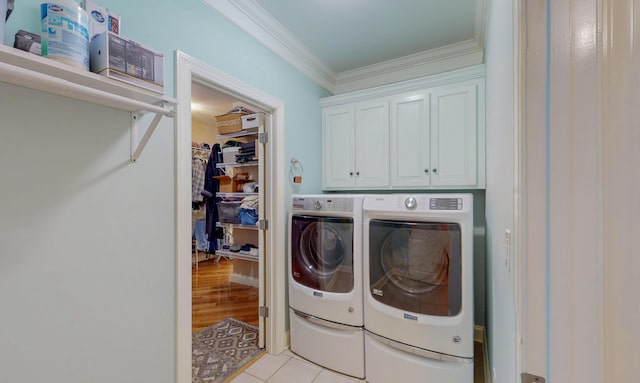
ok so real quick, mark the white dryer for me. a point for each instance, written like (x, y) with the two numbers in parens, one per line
(418, 287)
(325, 281)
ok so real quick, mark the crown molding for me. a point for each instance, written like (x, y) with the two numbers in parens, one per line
(262, 26)
(450, 57)
(469, 73)
(259, 24)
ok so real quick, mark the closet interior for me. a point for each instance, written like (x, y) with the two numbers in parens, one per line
(226, 196)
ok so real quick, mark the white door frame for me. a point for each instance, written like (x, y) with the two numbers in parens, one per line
(187, 69)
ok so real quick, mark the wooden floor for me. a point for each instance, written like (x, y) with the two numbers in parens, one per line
(214, 298)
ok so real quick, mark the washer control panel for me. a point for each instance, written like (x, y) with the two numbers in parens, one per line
(411, 203)
(322, 204)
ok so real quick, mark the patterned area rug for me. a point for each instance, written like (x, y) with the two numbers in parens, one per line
(220, 350)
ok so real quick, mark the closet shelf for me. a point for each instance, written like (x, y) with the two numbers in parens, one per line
(236, 165)
(236, 194)
(237, 226)
(40, 73)
(243, 133)
(239, 255)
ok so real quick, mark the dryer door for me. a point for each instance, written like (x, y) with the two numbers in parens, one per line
(322, 253)
(416, 266)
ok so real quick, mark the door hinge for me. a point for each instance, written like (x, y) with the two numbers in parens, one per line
(530, 378)
(263, 224)
(264, 311)
(263, 138)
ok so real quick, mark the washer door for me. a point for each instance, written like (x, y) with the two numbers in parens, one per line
(322, 253)
(416, 266)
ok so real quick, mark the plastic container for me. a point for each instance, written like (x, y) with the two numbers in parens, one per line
(229, 211)
(65, 33)
(229, 154)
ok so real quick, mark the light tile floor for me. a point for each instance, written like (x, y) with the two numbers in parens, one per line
(289, 368)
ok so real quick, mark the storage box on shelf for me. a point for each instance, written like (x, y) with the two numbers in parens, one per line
(125, 60)
(229, 154)
(232, 185)
(230, 122)
(251, 121)
(229, 211)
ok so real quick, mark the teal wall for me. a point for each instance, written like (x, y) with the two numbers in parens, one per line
(501, 310)
(201, 32)
(87, 239)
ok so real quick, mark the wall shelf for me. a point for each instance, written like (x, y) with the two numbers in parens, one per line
(40, 73)
(236, 165)
(243, 133)
(239, 255)
(237, 226)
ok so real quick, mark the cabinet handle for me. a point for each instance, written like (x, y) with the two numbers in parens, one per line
(350, 173)
(435, 170)
(426, 171)
(357, 173)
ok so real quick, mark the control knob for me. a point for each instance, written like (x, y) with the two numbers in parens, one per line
(317, 205)
(410, 203)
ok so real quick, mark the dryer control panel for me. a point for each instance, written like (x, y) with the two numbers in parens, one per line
(445, 203)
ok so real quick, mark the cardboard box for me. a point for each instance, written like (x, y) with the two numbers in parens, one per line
(232, 185)
(230, 122)
(101, 19)
(125, 60)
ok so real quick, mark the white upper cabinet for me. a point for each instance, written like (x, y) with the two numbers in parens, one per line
(372, 144)
(409, 140)
(454, 131)
(356, 146)
(422, 134)
(338, 143)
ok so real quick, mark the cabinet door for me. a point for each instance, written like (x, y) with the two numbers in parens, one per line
(338, 142)
(454, 136)
(372, 144)
(409, 132)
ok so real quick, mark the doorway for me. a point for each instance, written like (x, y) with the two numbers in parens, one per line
(226, 275)
(271, 288)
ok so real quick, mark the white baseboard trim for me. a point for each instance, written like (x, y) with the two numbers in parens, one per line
(244, 280)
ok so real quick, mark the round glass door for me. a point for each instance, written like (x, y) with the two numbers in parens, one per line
(322, 250)
(417, 261)
(416, 266)
(322, 253)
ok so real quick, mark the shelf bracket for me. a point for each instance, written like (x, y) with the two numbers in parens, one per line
(138, 145)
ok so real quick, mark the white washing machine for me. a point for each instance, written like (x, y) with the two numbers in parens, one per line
(325, 281)
(418, 287)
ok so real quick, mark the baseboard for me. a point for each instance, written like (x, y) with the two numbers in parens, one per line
(480, 335)
(244, 280)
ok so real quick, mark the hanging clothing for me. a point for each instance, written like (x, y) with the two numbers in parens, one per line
(198, 167)
(211, 187)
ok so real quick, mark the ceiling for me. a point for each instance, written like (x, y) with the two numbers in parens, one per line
(349, 34)
(348, 45)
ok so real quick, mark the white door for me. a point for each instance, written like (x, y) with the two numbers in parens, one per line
(409, 137)
(261, 151)
(454, 149)
(579, 172)
(338, 162)
(372, 144)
